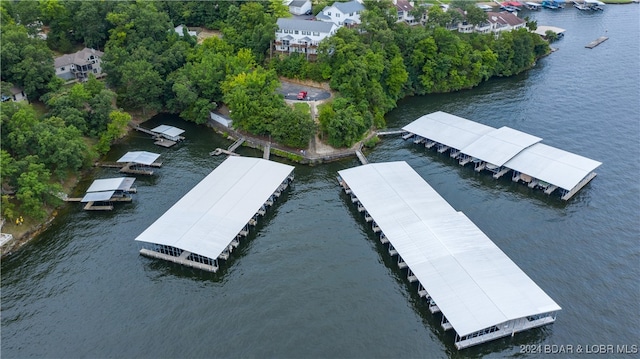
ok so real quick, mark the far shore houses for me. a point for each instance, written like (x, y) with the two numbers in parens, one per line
(298, 35)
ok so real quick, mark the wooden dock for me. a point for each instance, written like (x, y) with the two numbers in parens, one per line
(596, 42)
(361, 157)
(91, 206)
(219, 151)
(163, 142)
(236, 144)
(267, 151)
(390, 132)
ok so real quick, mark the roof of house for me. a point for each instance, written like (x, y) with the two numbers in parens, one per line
(348, 7)
(505, 18)
(404, 5)
(298, 3)
(79, 58)
(294, 24)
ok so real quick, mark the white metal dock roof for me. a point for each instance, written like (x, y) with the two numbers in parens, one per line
(552, 165)
(448, 129)
(111, 184)
(97, 196)
(168, 130)
(475, 285)
(499, 146)
(141, 157)
(206, 219)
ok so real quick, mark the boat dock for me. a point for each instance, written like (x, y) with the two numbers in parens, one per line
(477, 291)
(596, 42)
(164, 135)
(504, 150)
(230, 150)
(208, 222)
(136, 162)
(102, 193)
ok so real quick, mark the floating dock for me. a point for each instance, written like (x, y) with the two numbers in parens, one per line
(208, 222)
(165, 136)
(596, 42)
(135, 162)
(102, 193)
(481, 294)
(503, 150)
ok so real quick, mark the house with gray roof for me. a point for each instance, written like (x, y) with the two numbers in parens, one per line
(299, 7)
(79, 65)
(342, 13)
(301, 36)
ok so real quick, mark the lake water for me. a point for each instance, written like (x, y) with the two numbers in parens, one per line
(312, 281)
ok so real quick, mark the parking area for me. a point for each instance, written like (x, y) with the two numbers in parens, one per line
(291, 91)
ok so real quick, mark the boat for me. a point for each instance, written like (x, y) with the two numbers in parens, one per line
(532, 5)
(589, 5)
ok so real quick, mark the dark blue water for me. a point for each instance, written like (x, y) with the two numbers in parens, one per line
(313, 282)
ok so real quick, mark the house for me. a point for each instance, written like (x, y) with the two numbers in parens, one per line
(15, 94)
(504, 21)
(180, 31)
(302, 36)
(404, 8)
(79, 65)
(300, 7)
(342, 13)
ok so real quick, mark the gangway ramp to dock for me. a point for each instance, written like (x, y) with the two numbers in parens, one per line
(481, 294)
(501, 150)
(211, 218)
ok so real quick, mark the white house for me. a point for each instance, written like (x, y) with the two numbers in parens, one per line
(404, 8)
(180, 31)
(79, 65)
(300, 7)
(342, 13)
(504, 21)
(301, 36)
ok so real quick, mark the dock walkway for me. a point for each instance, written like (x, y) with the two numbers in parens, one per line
(596, 42)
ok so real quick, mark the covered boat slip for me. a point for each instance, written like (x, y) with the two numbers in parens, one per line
(208, 222)
(139, 157)
(480, 292)
(169, 132)
(103, 192)
(502, 150)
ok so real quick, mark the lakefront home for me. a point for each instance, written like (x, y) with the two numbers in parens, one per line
(79, 65)
(301, 36)
(342, 13)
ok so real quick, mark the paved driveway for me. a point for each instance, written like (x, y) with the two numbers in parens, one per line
(291, 90)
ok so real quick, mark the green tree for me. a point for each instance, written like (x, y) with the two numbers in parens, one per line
(141, 87)
(25, 61)
(116, 129)
(35, 191)
(250, 26)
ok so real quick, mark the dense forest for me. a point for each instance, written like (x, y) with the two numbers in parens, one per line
(151, 68)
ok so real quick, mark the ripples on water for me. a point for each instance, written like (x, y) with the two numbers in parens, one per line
(312, 281)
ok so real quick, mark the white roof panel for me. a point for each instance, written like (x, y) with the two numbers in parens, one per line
(552, 165)
(206, 219)
(111, 184)
(499, 146)
(168, 130)
(97, 196)
(448, 129)
(141, 157)
(472, 281)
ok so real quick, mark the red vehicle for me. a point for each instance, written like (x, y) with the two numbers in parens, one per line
(302, 95)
